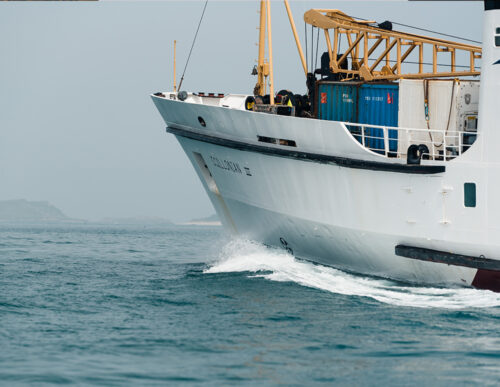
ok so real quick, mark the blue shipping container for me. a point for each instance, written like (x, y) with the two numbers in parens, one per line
(338, 101)
(378, 105)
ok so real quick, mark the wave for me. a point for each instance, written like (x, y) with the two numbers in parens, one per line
(277, 265)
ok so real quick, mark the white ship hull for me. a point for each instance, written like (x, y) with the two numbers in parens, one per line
(347, 216)
(311, 187)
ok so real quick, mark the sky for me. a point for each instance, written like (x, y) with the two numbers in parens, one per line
(77, 124)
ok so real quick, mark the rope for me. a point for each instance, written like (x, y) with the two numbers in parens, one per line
(449, 113)
(426, 107)
(317, 50)
(426, 110)
(192, 45)
(437, 33)
(312, 47)
(305, 35)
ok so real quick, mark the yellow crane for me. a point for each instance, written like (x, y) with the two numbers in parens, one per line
(369, 64)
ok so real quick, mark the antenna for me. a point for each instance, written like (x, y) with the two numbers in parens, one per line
(175, 83)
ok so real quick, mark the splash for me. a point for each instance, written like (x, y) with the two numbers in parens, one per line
(277, 265)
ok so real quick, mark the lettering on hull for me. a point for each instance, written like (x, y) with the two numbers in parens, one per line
(226, 165)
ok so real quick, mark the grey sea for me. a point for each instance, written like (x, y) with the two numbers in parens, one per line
(136, 305)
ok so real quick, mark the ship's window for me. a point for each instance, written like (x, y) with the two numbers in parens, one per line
(498, 30)
(471, 123)
(470, 194)
(202, 121)
(269, 140)
(279, 141)
(497, 41)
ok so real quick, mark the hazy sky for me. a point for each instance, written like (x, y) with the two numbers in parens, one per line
(77, 125)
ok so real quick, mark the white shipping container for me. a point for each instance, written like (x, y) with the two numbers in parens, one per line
(462, 97)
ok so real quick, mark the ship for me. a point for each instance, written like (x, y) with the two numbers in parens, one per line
(388, 166)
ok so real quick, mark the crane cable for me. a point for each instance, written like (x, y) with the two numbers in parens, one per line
(192, 45)
(425, 30)
(436, 32)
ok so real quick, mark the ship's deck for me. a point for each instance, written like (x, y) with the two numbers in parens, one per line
(395, 143)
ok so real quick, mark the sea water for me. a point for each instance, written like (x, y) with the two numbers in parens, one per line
(114, 305)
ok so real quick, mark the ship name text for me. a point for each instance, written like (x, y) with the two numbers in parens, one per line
(226, 164)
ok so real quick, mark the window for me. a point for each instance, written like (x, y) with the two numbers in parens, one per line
(471, 124)
(497, 37)
(470, 194)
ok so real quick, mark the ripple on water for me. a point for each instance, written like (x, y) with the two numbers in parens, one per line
(177, 314)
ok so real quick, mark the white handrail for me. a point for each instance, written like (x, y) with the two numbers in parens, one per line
(440, 144)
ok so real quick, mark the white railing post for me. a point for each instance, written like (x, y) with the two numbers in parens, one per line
(386, 140)
(405, 137)
(445, 149)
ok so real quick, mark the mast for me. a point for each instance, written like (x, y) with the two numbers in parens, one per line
(270, 47)
(265, 69)
(261, 70)
(175, 82)
(295, 35)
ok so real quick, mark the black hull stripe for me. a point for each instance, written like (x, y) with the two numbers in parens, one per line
(429, 255)
(306, 156)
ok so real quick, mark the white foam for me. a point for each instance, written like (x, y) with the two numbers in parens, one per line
(277, 265)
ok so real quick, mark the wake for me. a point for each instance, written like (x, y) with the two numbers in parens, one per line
(277, 265)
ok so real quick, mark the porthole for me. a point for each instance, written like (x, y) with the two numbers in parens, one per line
(497, 37)
(202, 121)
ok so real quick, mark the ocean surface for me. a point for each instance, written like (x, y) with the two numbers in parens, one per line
(135, 305)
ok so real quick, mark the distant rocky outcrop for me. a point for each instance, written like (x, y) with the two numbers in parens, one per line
(139, 220)
(22, 210)
(212, 220)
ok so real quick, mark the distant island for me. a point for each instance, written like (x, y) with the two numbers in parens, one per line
(22, 210)
(25, 211)
(139, 220)
(212, 220)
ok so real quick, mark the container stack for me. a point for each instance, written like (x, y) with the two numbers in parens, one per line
(449, 106)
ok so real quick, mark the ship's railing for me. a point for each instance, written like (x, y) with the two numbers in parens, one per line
(406, 143)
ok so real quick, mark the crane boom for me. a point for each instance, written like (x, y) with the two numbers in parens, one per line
(364, 38)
